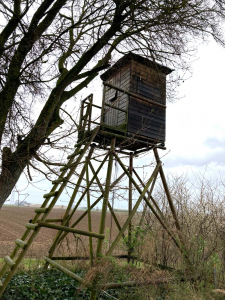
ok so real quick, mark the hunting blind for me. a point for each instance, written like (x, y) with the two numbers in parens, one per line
(133, 118)
(134, 100)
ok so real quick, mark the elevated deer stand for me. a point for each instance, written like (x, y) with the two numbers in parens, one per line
(128, 94)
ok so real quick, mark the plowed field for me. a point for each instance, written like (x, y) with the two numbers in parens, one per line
(13, 219)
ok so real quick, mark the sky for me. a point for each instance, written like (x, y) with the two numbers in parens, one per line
(196, 122)
(195, 128)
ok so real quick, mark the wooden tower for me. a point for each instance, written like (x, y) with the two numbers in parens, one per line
(134, 100)
(132, 121)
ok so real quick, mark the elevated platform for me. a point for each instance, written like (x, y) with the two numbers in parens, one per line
(124, 140)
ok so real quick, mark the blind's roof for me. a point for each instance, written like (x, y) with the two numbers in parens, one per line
(132, 56)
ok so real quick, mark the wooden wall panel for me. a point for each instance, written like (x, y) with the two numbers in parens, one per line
(146, 120)
(121, 79)
(148, 82)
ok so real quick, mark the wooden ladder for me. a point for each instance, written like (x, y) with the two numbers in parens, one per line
(40, 220)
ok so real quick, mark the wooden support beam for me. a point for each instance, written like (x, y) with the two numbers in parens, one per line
(89, 213)
(82, 142)
(93, 294)
(102, 190)
(92, 206)
(175, 239)
(70, 258)
(53, 220)
(58, 180)
(173, 210)
(118, 285)
(74, 154)
(106, 197)
(68, 229)
(53, 201)
(64, 270)
(44, 217)
(170, 201)
(134, 95)
(67, 219)
(85, 191)
(69, 207)
(130, 207)
(149, 196)
(80, 218)
(131, 139)
(135, 206)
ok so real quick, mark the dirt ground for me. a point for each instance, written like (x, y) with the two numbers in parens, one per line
(12, 227)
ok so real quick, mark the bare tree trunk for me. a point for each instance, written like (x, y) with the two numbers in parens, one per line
(9, 176)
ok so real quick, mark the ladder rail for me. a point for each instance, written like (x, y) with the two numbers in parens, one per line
(44, 217)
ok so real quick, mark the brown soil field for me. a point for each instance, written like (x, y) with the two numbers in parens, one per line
(12, 227)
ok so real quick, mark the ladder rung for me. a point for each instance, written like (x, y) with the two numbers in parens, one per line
(9, 261)
(21, 243)
(64, 270)
(68, 229)
(52, 194)
(74, 154)
(64, 168)
(67, 167)
(84, 141)
(31, 226)
(58, 180)
(41, 210)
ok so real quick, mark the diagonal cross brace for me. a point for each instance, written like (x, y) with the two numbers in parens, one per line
(133, 210)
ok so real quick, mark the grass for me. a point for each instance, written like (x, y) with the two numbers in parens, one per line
(31, 283)
(27, 264)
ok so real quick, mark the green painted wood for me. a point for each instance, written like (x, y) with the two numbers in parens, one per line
(132, 213)
(68, 229)
(58, 180)
(64, 270)
(41, 210)
(31, 226)
(74, 154)
(9, 262)
(102, 190)
(21, 243)
(89, 213)
(68, 214)
(73, 167)
(27, 232)
(34, 226)
(106, 197)
(53, 220)
(64, 168)
(92, 206)
(51, 194)
(82, 142)
(85, 191)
